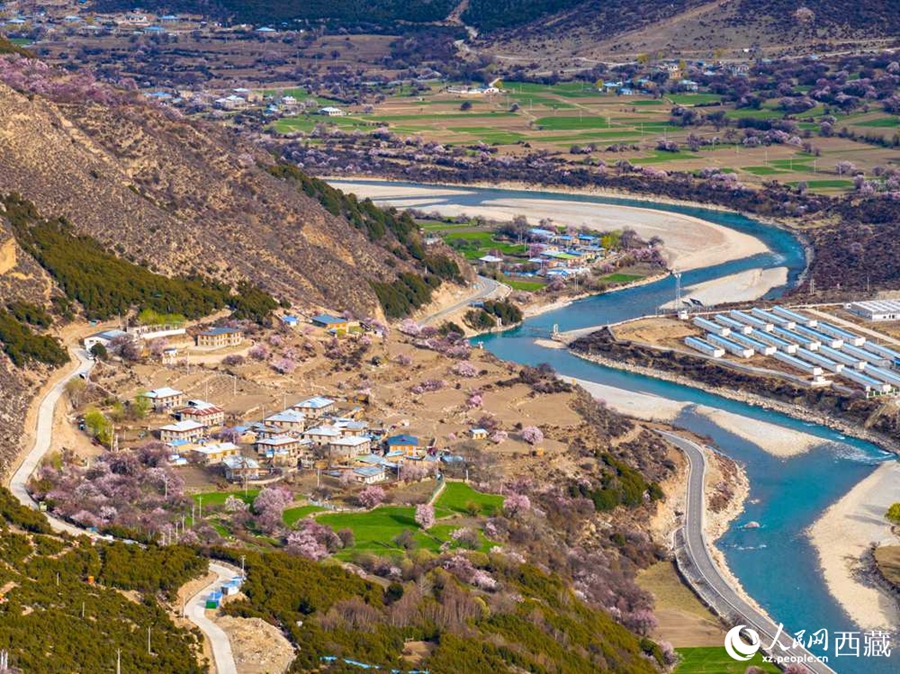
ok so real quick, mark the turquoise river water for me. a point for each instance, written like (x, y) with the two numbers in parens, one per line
(775, 563)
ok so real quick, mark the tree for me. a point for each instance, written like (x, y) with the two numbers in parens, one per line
(99, 351)
(99, 426)
(141, 406)
(532, 435)
(466, 105)
(516, 504)
(371, 496)
(425, 515)
(893, 514)
(269, 506)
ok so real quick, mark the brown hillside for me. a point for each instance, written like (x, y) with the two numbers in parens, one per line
(181, 197)
(618, 30)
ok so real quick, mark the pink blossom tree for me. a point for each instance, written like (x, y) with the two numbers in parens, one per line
(532, 435)
(259, 352)
(516, 504)
(284, 365)
(425, 515)
(465, 369)
(371, 496)
(269, 506)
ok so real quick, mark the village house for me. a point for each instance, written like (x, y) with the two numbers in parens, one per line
(218, 338)
(478, 434)
(330, 322)
(351, 427)
(288, 420)
(104, 338)
(321, 435)
(331, 111)
(346, 448)
(202, 412)
(261, 431)
(369, 474)
(279, 442)
(189, 431)
(408, 444)
(165, 398)
(315, 407)
(214, 453)
(240, 468)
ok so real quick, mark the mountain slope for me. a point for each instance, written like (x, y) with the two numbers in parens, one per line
(619, 29)
(183, 198)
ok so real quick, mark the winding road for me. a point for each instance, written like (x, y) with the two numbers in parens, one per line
(195, 610)
(484, 288)
(43, 440)
(713, 587)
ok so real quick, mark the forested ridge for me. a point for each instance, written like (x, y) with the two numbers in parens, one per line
(59, 615)
(106, 285)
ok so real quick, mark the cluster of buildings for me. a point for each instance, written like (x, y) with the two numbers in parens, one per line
(809, 345)
(555, 254)
(142, 335)
(313, 433)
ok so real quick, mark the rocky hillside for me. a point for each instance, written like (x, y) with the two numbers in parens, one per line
(622, 29)
(183, 198)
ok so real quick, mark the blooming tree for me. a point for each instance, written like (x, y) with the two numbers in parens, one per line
(269, 506)
(371, 496)
(425, 515)
(465, 369)
(259, 352)
(516, 504)
(532, 435)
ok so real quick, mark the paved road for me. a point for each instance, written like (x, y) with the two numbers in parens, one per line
(43, 442)
(714, 588)
(224, 659)
(484, 289)
(195, 610)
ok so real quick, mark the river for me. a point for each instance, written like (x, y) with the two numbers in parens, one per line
(776, 563)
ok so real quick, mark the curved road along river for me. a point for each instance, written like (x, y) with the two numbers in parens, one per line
(714, 589)
(221, 648)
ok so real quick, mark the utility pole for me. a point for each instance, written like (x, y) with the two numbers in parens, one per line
(118, 661)
(243, 575)
(149, 652)
(200, 507)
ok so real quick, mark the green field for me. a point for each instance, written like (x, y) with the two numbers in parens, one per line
(474, 245)
(457, 497)
(661, 157)
(762, 170)
(621, 278)
(292, 515)
(374, 531)
(489, 135)
(714, 660)
(694, 99)
(880, 123)
(218, 498)
(826, 184)
(528, 286)
(572, 123)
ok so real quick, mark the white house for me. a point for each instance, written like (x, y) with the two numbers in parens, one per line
(330, 111)
(314, 407)
(104, 338)
(188, 430)
(350, 446)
